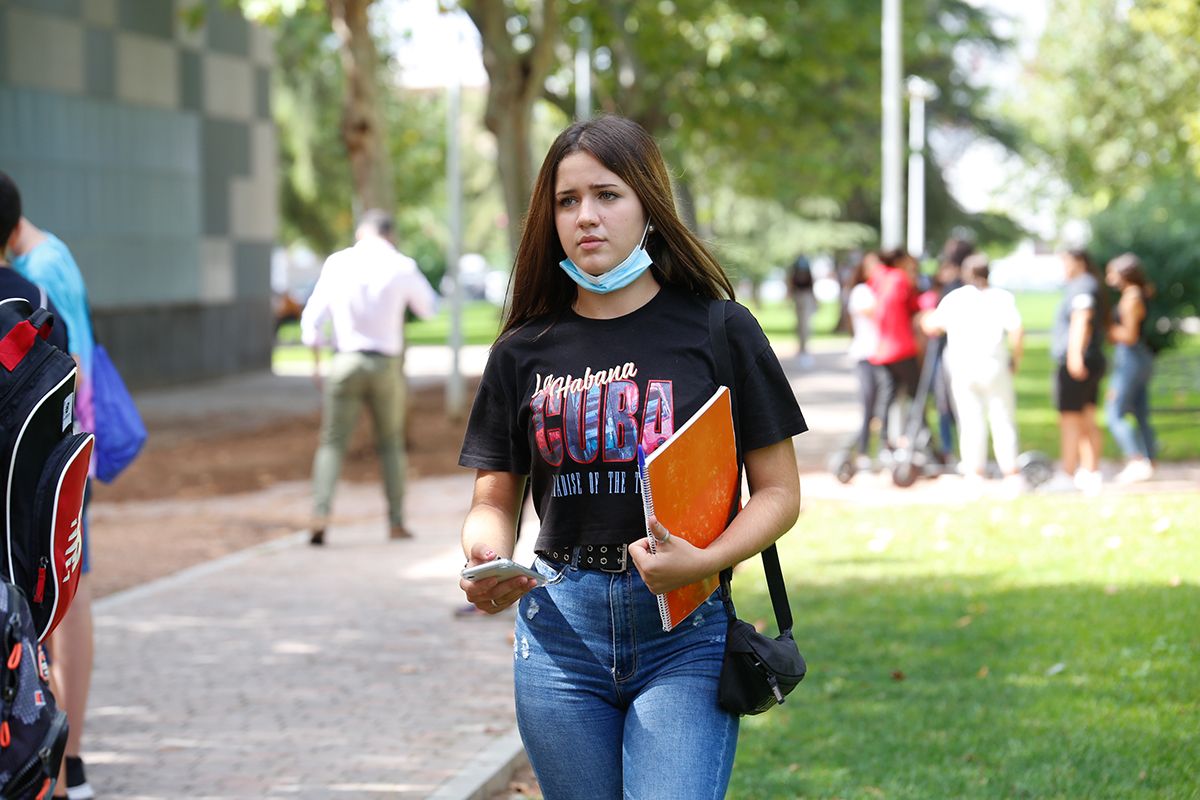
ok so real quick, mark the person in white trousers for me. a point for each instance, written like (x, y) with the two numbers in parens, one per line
(977, 320)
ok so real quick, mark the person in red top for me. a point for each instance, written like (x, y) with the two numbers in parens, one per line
(895, 357)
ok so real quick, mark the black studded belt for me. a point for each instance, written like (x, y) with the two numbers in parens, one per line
(604, 557)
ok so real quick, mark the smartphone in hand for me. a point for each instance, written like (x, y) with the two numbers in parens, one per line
(501, 568)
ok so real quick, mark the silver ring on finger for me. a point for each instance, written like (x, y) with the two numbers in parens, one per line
(666, 537)
(494, 604)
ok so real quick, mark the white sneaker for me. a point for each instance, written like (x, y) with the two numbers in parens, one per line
(1088, 481)
(1061, 482)
(1013, 486)
(1136, 471)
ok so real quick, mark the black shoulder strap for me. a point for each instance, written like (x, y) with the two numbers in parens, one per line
(725, 376)
(770, 556)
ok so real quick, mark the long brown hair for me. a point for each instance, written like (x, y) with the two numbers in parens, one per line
(861, 274)
(1129, 269)
(540, 287)
(1103, 314)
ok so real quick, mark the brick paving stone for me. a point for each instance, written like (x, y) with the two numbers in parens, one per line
(304, 672)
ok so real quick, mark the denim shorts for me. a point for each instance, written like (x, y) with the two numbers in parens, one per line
(609, 706)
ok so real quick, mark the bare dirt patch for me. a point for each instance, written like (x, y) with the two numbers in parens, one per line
(205, 488)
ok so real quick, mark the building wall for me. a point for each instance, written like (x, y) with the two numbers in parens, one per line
(146, 144)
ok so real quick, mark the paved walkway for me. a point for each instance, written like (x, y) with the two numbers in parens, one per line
(290, 671)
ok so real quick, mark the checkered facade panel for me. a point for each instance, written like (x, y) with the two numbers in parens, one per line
(146, 143)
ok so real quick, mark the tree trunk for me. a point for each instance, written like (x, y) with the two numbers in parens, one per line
(362, 126)
(514, 163)
(637, 88)
(515, 81)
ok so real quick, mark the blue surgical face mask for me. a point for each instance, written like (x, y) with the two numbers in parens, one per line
(619, 276)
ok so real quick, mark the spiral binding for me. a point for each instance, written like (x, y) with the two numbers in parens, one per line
(664, 613)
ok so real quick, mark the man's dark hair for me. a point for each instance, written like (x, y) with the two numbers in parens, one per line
(10, 207)
(956, 250)
(975, 269)
(377, 220)
(893, 256)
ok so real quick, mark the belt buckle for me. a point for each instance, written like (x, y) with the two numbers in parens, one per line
(623, 550)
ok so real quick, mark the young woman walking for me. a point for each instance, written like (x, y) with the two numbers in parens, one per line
(1133, 363)
(1077, 345)
(860, 305)
(605, 345)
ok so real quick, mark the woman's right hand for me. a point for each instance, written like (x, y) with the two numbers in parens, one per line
(492, 595)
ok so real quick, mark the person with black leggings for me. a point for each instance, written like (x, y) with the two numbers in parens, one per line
(860, 305)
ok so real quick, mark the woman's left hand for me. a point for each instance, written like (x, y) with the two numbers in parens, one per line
(676, 562)
(492, 595)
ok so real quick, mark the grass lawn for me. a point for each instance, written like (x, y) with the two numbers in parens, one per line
(1038, 309)
(778, 321)
(481, 323)
(1174, 401)
(1043, 648)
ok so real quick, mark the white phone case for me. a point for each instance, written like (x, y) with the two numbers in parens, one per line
(502, 568)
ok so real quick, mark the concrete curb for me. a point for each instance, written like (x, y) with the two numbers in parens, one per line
(487, 774)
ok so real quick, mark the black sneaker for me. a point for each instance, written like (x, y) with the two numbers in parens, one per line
(77, 786)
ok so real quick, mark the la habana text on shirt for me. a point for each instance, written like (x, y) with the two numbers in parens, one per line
(596, 416)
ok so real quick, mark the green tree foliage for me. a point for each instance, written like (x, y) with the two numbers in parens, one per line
(316, 192)
(518, 53)
(774, 100)
(779, 100)
(757, 235)
(1111, 101)
(317, 188)
(318, 195)
(1159, 226)
(1111, 96)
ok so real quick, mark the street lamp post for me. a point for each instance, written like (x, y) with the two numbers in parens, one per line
(583, 71)
(919, 92)
(892, 209)
(455, 390)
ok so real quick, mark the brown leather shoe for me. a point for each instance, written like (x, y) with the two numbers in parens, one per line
(399, 532)
(318, 537)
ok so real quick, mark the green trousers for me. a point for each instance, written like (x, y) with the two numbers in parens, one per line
(356, 380)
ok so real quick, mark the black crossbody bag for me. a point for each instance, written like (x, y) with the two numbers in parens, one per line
(758, 671)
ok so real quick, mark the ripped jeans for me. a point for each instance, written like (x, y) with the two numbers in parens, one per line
(608, 705)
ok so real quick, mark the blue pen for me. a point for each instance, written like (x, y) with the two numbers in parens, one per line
(647, 499)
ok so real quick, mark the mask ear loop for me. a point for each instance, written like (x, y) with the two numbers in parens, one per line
(646, 234)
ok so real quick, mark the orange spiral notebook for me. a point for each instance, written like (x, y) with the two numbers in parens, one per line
(689, 483)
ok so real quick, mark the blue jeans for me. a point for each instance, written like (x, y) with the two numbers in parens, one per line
(1129, 392)
(608, 705)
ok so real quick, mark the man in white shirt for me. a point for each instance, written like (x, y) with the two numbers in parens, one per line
(977, 319)
(363, 292)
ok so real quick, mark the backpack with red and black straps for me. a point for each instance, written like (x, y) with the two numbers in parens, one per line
(33, 730)
(43, 465)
